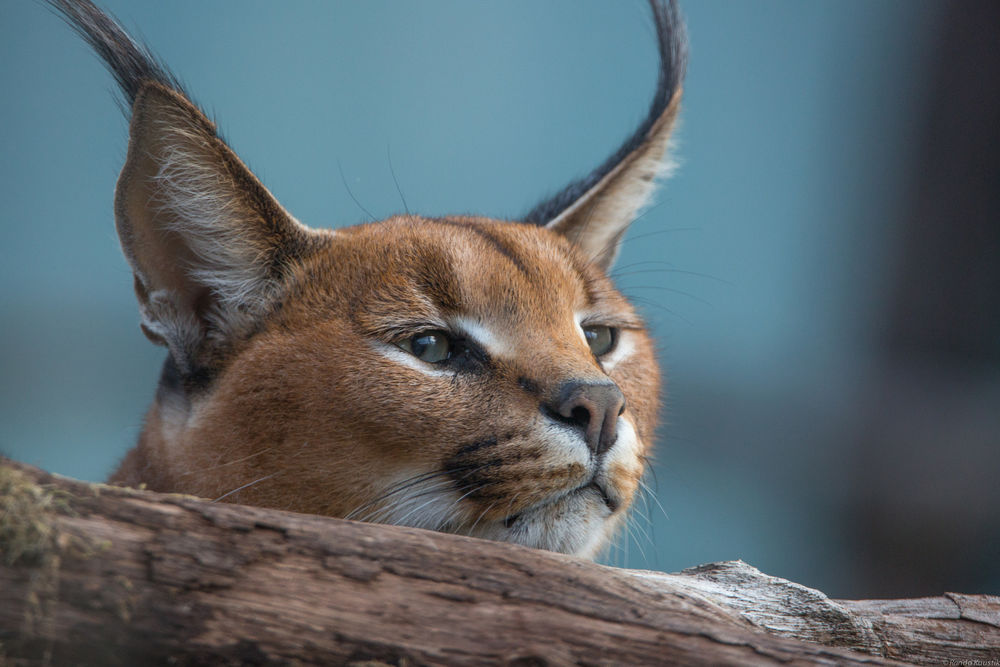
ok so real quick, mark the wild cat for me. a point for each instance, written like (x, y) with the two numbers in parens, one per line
(462, 374)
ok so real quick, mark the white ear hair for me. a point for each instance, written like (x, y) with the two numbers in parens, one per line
(188, 197)
(209, 245)
(597, 221)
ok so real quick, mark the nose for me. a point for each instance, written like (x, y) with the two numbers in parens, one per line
(593, 408)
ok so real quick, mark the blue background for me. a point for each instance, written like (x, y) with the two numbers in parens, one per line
(779, 228)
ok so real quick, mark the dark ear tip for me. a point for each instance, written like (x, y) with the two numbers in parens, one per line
(671, 38)
(128, 60)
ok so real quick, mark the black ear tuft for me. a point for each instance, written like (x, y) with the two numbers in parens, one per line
(672, 40)
(209, 246)
(130, 62)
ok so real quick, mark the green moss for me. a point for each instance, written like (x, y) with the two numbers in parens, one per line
(27, 536)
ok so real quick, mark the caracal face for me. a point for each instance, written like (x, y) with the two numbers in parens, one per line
(327, 404)
(461, 374)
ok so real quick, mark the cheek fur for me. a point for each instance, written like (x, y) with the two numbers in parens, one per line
(280, 392)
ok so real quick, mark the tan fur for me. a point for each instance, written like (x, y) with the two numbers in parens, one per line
(618, 198)
(308, 407)
(288, 382)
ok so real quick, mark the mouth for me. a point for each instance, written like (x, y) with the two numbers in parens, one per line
(593, 485)
(611, 504)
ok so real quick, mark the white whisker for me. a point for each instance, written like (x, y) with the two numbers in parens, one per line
(249, 484)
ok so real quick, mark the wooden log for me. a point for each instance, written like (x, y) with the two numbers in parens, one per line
(91, 574)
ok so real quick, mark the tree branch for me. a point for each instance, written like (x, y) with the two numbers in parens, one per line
(92, 574)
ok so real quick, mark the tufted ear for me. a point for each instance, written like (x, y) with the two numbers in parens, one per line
(595, 211)
(209, 246)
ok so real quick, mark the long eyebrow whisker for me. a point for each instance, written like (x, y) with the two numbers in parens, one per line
(343, 179)
(667, 267)
(392, 171)
(663, 288)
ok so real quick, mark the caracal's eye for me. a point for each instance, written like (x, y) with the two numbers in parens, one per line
(431, 346)
(601, 339)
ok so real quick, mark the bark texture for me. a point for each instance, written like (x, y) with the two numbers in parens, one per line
(91, 574)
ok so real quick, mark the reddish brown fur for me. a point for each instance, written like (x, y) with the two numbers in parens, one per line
(291, 379)
(307, 404)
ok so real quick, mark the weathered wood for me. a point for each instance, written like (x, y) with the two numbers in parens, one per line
(91, 574)
(952, 629)
(961, 629)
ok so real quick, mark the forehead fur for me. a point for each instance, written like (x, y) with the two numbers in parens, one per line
(409, 271)
(296, 376)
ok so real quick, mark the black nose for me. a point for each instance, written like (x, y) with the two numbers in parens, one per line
(593, 407)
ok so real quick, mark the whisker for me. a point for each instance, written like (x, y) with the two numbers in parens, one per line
(622, 272)
(393, 172)
(347, 187)
(466, 494)
(655, 304)
(644, 494)
(656, 500)
(223, 465)
(613, 552)
(402, 521)
(663, 231)
(402, 486)
(627, 541)
(639, 528)
(664, 288)
(448, 519)
(511, 503)
(481, 515)
(247, 485)
(631, 534)
(387, 510)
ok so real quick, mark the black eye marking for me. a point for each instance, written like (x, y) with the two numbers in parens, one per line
(436, 346)
(600, 338)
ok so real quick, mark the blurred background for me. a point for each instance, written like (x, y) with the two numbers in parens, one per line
(823, 272)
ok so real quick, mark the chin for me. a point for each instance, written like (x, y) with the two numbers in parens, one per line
(579, 523)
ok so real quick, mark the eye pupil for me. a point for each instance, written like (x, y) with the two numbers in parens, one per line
(601, 339)
(430, 346)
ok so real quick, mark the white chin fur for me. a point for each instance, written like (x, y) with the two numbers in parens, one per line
(578, 524)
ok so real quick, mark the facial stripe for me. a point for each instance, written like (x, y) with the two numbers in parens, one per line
(500, 246)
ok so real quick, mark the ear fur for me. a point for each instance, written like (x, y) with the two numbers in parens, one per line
(208, 244)
(594, 212)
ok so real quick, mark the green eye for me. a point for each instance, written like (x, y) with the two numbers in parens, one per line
(432, 346)
(601, 339)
